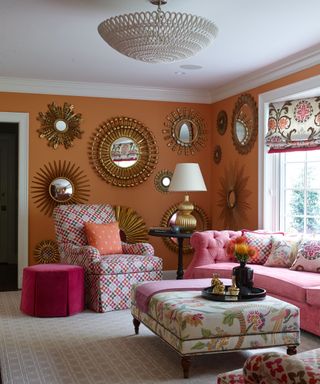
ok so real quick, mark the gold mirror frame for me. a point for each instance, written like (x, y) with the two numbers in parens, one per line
(233, 197)
(42, 183)
(249, 121)
(222, 122)
(159, 178)
(46, 252)
(175, 120)
(52, 118)
(100, 152)
(165, 222)
(131, 224)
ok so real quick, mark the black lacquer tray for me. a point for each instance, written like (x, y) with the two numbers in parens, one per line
(250, 295)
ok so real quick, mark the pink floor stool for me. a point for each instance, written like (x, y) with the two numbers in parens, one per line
(52, 290)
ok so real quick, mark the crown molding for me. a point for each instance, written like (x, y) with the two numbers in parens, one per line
(115, 91)
(295, 63)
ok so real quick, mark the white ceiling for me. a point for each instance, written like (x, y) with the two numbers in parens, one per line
(57, 40)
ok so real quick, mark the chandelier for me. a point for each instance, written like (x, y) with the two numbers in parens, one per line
(158, 37)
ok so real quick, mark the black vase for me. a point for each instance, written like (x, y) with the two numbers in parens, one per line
(244, 278)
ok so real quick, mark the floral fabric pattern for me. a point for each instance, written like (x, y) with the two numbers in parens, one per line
(194, 325)
(308, 257)
(283, 252)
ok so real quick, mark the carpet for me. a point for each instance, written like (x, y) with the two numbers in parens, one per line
(97, 348)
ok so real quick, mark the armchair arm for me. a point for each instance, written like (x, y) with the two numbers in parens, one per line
(85, 256)
(138, 249)
(209, 247)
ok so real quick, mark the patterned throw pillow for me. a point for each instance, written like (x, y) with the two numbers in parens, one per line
(104, 237)
(262, 243)
(308, 257)
(283, 252)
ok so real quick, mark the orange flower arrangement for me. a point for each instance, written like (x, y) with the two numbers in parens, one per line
(240, 249)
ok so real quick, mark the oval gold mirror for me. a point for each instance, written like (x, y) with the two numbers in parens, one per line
(61, 189)
(169, 218)
(59, 125)
(59, 183)
(244, 124)
(185, 131)
(162, 180)
(231, 199)
(123, 152)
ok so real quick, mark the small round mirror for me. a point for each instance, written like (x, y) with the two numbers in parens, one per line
(60, 125)
(166, 181)
(186, 131)
(231, 199)
(61, 190)
(124, 152)
(162, 180)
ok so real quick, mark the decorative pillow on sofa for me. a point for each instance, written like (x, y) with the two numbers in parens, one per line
(261, 241)
(283, 251)
(308, 257)
(104, 237)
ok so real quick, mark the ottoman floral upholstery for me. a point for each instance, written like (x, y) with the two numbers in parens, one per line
(273, 367)
(193, 325)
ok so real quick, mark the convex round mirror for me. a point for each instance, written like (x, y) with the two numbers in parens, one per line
(185, 131)
(60, 125)
(244, 124)
(61, 189)
(124, 152)
(162, 180)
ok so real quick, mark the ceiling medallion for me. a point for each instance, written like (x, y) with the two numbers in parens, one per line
(158, 37)
(59, 125)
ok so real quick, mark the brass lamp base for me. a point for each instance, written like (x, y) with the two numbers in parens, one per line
(185, 220)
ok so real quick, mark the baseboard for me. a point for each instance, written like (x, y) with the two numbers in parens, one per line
(169, 275)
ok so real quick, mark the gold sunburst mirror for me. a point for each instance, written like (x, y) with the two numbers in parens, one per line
(169, 218)
(132, 226)
(59, 125)
(59, 183)
(244, 124)
(162, 180)
(233, 197)
(46, 252)
(185, 131)
(123, 152)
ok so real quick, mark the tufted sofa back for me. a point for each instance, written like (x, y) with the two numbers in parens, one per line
(209, 247)
(69, 219)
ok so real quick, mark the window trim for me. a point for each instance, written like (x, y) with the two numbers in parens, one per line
(266, 198)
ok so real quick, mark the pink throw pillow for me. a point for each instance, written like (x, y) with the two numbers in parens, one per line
(308, 257)
(283, 252)
(105, 237)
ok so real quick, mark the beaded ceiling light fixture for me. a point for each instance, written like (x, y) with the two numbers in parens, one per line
(158, 37)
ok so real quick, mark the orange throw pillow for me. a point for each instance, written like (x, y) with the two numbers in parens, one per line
(104, 237)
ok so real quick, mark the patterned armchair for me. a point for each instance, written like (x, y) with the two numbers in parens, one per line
(108, 278)
(273, 368)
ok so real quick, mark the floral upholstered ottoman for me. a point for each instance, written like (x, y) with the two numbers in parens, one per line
(192, 325)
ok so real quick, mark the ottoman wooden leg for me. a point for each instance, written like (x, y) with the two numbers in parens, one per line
(136, 324)
(291, 350)
(186, 363)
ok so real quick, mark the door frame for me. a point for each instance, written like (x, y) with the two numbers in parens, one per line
(22, 119)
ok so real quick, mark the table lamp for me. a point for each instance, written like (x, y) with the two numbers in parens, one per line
(186, 178)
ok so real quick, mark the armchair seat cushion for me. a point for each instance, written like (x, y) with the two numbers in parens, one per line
(120, 264)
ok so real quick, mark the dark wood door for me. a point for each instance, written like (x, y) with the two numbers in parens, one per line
(8, 206)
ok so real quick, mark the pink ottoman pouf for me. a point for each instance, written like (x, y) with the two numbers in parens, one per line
(52, 290)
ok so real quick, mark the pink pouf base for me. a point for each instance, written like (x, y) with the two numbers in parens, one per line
(52, 290)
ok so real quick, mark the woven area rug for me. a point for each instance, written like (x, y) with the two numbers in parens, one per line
(95, 348)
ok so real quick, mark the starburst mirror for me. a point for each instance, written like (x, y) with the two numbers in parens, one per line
(59, 125)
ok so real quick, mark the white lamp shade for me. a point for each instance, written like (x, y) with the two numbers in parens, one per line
(187, 177)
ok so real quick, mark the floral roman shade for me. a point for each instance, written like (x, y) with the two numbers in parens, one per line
(294, 125)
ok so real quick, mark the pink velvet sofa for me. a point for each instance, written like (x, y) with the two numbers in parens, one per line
(300, 288)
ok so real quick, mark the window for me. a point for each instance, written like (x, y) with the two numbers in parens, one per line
(299, 192)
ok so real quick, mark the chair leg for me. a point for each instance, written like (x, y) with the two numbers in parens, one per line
(136, 324)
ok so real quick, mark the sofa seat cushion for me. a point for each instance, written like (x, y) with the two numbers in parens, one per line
(123, 264)
(291, 284)
(313, 296)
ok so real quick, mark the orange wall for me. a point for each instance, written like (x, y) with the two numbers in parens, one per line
(250, 160)
(145, 199)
